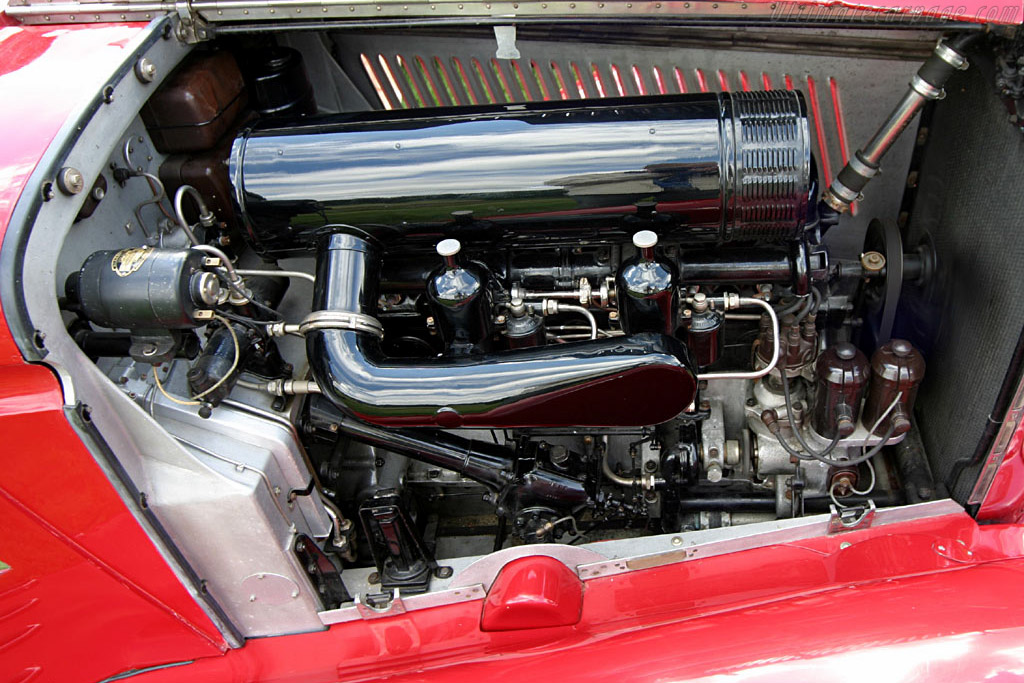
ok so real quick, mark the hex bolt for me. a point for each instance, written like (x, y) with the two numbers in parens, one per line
(70, 181)
(145, 70)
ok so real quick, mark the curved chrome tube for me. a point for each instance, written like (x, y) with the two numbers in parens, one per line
(295, 274)
(558, 307)
(625, 381)
(753, 374)
(205, 215)
(645, 481)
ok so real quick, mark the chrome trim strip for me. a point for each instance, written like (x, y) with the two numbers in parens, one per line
(1000, 446)
(502, 11)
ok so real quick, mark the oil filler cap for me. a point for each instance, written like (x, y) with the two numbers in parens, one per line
(449, 247)
(533, 592)
(645, 239)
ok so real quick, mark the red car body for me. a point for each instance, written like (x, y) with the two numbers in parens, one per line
(85, 595)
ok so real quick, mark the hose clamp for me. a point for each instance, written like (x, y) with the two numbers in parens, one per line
(951, 56)
(835, 202)
(341, 320)
(839, 196)
(861, 168)
(926, 89)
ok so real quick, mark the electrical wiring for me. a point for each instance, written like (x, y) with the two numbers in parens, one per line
(218, 383)
(866, 492)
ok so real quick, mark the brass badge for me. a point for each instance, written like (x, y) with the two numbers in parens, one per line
(127, 261)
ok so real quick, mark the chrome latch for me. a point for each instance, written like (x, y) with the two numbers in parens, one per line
(377, 605)
(851, 518)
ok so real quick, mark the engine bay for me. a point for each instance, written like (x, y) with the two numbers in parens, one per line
(354, 346)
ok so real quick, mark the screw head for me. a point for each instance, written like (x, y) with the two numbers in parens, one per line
(70, 181)
(145, 70)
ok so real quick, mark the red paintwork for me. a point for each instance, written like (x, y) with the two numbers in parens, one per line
(532, 592)
(87, 595)
(1005, 499)
(891, 606)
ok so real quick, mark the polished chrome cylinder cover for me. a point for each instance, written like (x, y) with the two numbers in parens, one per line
(708, 167)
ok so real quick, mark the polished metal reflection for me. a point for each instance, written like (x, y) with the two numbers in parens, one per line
(716, 164)
(631, 381)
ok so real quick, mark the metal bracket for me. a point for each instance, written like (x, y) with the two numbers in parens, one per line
(505, 36)
(378, 605)
(851, 518)
(192, 28)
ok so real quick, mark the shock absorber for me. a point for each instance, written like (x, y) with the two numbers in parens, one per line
(927, 84)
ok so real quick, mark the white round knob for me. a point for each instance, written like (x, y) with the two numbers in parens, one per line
(449, 247)
(645, 239)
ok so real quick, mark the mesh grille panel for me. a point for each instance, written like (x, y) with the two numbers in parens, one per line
(970, 202)
(846, 96)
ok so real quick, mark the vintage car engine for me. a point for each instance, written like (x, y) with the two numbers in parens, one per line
(503, 324)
